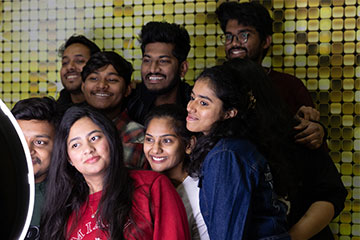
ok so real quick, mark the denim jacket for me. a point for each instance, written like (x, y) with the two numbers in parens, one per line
(237, 199)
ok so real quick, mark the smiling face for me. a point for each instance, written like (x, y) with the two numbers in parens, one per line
(39, 136)
(160, 69)
(104, 89)
(88, 150)
(163, 148)
(204, 107)
(252, 49)
(73, 60)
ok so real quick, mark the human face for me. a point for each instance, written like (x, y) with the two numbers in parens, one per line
(160, 69)
(204, 107)
(39, 136)
(73, 60)
(104, 88)
(253, 48)
(88, 150)
(163, 148)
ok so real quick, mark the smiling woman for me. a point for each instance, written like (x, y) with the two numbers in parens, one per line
(167, 147)
(89, 183)
(247, 161)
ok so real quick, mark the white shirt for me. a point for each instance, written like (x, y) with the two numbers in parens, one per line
(189, 193)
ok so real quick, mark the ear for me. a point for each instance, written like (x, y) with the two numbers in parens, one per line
(82, 86)
(184, 66)
(70, 162)
(128, 90)
(267, 42)
(231, 113)
(190, 145)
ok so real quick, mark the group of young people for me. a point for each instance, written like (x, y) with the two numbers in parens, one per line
(240, 155)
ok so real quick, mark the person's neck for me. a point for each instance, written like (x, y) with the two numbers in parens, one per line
(77, 97)
(40, 179)
(167, 98)
(177, 175)
(113, 113)
(95, 184)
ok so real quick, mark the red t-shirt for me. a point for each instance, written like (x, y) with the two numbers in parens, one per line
(157, 211)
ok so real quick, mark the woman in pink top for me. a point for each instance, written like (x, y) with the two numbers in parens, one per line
(91, 195)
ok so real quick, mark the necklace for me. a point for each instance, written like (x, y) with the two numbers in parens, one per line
(183, 179)
(93, 214)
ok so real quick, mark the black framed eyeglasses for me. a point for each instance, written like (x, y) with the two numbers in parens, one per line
(241, 37)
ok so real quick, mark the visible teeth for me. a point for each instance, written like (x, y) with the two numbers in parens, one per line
(158, 158)
(102, 94)
(155, 78)
(237, 51)
(71, 76)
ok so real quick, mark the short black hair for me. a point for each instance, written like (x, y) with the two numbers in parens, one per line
(44, 109)
(82, 40)
(250, 14)
(101, 59)
(166, 33)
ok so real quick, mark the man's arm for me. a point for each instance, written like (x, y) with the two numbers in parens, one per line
(316, 218)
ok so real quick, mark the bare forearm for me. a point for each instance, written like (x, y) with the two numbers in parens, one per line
(315, 219)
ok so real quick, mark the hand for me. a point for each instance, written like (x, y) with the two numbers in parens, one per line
(307, 113)
(311, 135)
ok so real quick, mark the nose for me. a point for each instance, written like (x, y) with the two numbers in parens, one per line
(31, 149)
(102, 84)
(70, 65)
(235, 41)
(156, 148)
(154, 67)
(190, 106)
(88, 148)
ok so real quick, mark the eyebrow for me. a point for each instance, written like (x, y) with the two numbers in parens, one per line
(109, 74)
(165, 135)
(161, 56)
(241, 31)
(87, 135)
(42, 136)
(202, 96)
(77, 55)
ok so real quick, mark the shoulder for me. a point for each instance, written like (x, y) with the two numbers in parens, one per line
(236, 152)
(64, 97)
(184, 92)
(129, 127)
(146, 177)
(236, 145)
(280, 77)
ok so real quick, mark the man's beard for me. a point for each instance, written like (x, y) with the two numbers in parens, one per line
(74, 91)
(174, 82)
(255, 56)
(39, 173)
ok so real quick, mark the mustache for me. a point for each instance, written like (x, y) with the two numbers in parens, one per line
(37, 160)
(238, 48)
(158, 74)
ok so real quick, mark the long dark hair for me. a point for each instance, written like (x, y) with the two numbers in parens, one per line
(177, 116)
(68, 191)
(262, 118)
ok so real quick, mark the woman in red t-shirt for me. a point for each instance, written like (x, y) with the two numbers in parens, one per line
(91, 195)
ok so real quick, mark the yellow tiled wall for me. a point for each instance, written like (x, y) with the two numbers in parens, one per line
(316, 40)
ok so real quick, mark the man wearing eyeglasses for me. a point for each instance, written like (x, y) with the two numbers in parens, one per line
(247, 34)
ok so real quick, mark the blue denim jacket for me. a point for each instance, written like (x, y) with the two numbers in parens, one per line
(237, 199)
